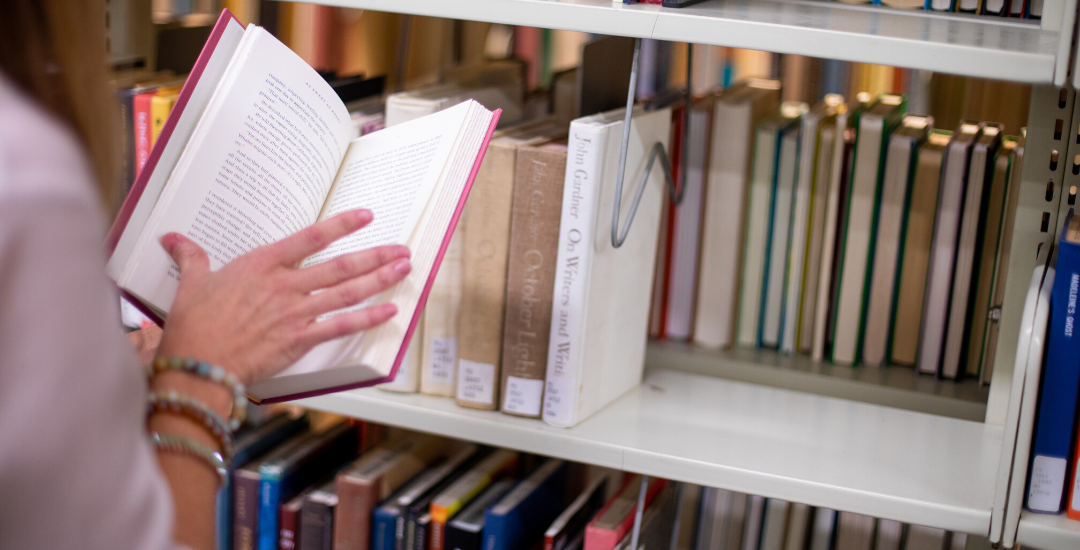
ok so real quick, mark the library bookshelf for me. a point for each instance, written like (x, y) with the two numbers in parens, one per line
(882, 442)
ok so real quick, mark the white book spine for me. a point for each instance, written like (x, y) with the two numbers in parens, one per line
(721, 247)
(942, 258)
(859, 227)
(757, 220)
(886, 252)
(684, 257)
(800, 229)
(828, 247)
(780, 244)
(581, 190)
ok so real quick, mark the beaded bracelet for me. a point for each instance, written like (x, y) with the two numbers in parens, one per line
(186, 446)
(203, 369)
(173, 402)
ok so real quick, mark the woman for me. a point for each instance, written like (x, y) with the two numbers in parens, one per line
(77, 469)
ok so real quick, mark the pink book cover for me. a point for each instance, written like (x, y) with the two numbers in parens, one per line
(136, 192)
(427, 285)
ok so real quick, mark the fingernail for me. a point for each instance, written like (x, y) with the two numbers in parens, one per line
(402, 251)
(364, 215)
(403, 267)
(389, 309)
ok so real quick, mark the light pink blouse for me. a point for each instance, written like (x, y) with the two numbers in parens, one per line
(76, 470)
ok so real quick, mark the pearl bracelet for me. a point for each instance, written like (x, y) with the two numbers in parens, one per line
(186, 446)
(173, 402)
(205, 370)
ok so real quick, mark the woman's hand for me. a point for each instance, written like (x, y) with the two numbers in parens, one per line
(257, 314)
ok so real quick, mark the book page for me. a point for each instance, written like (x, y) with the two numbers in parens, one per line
(257, 169)
(393, 173)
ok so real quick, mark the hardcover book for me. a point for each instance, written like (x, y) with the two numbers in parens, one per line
(466, 531)
(464, 489)
(568, 530)
(258, 147)
(518, 519)
(372, 478)
(736, 112)
(1055, 424)
(485, 253)
(285, 476)
(530, 277)
(915, 249)
(591, 360)
(875, 125)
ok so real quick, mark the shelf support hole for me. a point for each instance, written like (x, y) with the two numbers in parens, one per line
(1049, 190)
(1072, 195)
(1054, 160)
(1059, 126)
(1063, 95)
(1045, 222)
(1076, 165)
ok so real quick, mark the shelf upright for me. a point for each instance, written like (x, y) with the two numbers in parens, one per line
(625, 435)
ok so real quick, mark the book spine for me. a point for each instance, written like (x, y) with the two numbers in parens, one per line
(316, 526)
(534, 244)
(289, 533)
(486, 247)
(245, 509)
(578, 221)
(141, 122)
(1073, 508)
(441, 316)
(385, 528)
(223, 514)
(352, 513)
(1057, 398)
(269, 501)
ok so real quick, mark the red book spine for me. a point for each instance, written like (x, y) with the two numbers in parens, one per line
(289, 527)
(141, 120)
(1072, 506)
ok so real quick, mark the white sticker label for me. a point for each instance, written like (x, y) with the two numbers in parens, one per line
(443, 359)
(1047, 482)
(476, 382)
(523, 396)
(559, 400)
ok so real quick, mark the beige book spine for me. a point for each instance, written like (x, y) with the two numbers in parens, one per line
(919, 236)
(534, 242)
(486, 243)
(441, 314)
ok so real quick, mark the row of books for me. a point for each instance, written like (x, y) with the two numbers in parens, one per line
(1054, 469)
(315, 482)
(1028, 9)
(868, 236)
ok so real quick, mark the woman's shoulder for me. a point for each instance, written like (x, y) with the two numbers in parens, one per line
(40, 157)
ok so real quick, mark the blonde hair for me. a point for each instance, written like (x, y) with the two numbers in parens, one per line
(55, 51)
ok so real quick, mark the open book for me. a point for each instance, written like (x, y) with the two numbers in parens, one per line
(257, 148)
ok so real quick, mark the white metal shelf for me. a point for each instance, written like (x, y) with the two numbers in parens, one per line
(892, 386)
(1046, 532)
(987, 47)
(881, 461)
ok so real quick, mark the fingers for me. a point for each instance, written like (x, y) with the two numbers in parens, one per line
(191, 258)
(294, 248)
(357, 290)
(348, 323)
(347, 266)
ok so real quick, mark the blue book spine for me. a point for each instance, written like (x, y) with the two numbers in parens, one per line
(523, 525)
(269, 505)
(384, 534)
(1056, 419)
(222, 519)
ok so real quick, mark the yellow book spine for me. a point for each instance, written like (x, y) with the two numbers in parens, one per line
(160, 107)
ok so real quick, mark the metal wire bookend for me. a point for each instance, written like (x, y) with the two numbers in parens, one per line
(674, 191)
(635, 533)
